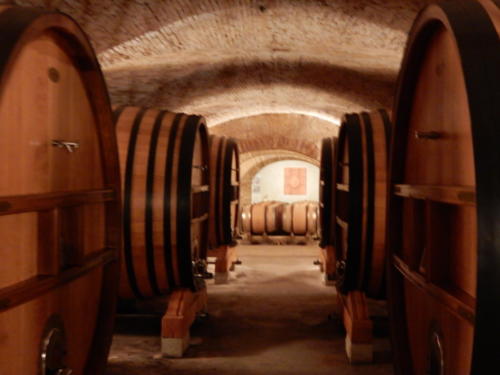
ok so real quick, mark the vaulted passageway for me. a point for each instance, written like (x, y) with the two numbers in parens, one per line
(275, 317)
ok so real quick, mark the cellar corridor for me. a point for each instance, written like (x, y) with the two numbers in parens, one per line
(274, 317)
(346, 151)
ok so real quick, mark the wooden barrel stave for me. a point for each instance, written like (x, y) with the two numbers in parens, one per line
(444, 189)
(65, 206)
(165, 203)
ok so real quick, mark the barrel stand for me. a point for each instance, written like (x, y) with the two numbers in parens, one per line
(278, 240)
(302, 239)
(226, 258)
(184, 306)
(358, 326)
(327, 264)
(258, 238)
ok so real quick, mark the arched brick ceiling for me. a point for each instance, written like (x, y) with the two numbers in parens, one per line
(227, 59)
(297, 133)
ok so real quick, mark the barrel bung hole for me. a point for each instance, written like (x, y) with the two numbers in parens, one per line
(54, 74)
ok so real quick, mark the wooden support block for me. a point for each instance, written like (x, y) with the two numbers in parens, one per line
(258, 239)
(321, 260)
(327, 258)
(358, 326)
(174, 347)
(299, 240)
(225, 259)
(358, 353)
(221, 278)
(232, 255)
(183, 306)
(328, 280)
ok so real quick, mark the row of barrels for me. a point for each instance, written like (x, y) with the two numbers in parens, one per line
(180, 197)
(272, 218)
(412, 209)
(62, 152)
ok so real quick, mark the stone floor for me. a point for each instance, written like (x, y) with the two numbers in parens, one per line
(275, 317)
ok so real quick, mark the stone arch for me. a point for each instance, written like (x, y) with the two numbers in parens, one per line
(251, 164)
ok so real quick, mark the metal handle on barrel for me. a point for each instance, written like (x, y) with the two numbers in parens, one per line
(69, 146)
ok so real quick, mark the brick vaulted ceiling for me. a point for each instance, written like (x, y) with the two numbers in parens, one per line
(231, 59)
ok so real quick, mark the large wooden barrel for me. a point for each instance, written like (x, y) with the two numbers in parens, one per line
(59, 199)
(444, 221)
(360, 194)
(224, 190)
(326, 209)
(164, 163)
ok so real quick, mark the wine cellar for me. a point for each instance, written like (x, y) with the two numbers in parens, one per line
(272, 187)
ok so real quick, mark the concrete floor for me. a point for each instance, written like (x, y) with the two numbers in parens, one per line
(273, 318)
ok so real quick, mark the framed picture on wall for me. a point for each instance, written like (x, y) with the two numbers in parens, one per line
(295, 181)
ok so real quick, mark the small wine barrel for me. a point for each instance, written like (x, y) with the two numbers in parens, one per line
(246, 219)
(326, 209)
(444, 221)
(274, 218)
(299, 218)
(313, 220)
(59, 199)
(258, 216)
(224, 191)
(360, 194)
(304, 219)
(286, 218)
(164, 163)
